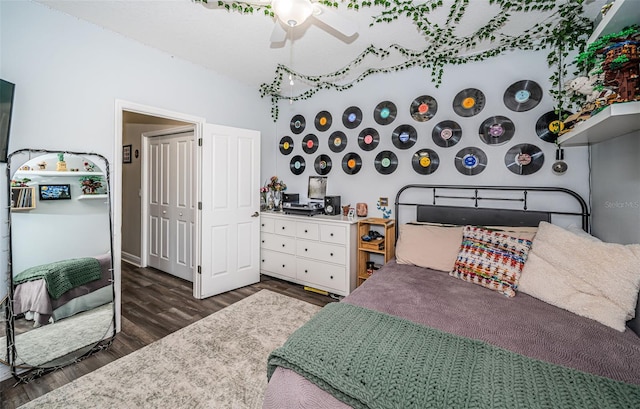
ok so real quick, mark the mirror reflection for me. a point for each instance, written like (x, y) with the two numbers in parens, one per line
(61, 262)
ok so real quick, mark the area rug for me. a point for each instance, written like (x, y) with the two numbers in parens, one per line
(217, 362)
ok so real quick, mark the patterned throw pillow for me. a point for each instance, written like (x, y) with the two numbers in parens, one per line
(491, 259)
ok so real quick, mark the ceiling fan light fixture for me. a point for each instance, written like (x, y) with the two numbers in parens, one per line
(292, 12)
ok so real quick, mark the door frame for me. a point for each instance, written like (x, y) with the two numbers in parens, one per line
(116, 178)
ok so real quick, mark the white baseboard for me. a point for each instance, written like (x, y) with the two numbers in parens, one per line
(131, 259)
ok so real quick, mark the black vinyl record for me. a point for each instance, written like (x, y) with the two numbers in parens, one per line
(386, 162)
(524, 159)
(323, 121)
(337, 141)
(385, 112)
(425, 161)
(351, 163)
(404, 136)
(286, 145)
(297, 165)
(322, 164)
(470, 161)
(352, 117)
(497, 130)
(446, 133)
(468, 102)
(423, 108)
(368, 139)
(310, 143)
(522, 96)
(549, 124)
(297, 124)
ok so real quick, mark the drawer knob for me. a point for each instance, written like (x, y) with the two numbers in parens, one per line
(306, 271)
(332, 277)
(263, 241)
(262, 224)
(306, 249)
(331, 234)
(263, 260)
(282, 227)
(283, 266)
(283, 245)
(331, 254)
(306, 231)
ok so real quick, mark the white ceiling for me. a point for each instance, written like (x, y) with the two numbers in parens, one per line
(238, 45)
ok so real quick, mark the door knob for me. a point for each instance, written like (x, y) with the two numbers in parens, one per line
(256, 214)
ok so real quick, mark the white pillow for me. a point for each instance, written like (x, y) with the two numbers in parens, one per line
(590, 278)
(428, 246)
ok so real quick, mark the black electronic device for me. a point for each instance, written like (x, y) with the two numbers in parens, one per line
(332, 205)
(291, 198)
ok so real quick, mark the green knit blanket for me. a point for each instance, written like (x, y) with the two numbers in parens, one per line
(369, 359)
(62, 276)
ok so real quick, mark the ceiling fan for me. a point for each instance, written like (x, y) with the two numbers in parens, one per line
(292, 13)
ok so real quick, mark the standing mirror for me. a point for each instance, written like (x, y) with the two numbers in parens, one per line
(61, 294)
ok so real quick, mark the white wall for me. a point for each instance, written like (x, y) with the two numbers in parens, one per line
(492, 77)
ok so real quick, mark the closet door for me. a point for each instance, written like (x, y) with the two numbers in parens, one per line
(230, 220)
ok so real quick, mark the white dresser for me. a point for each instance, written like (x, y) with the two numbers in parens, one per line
(317, 251)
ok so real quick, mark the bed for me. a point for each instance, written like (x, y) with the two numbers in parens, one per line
(33, 299)
(417, 336)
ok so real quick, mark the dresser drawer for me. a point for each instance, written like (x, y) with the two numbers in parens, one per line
(266, 224)
(284, 227)
(309, 231)
(278, 263)
(333, 234)
(320, 251)
(321, 274)
(277, 242)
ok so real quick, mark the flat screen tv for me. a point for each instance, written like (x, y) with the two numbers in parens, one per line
(6, 105)
(317, 187)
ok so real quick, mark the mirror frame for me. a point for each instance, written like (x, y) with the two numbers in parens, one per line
(24, 372)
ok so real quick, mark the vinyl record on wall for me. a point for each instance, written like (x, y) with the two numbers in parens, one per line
(323, 121)
(352, 117)
(423, 108)
(468, 102)
(368, 139)
(446, 133)
(351, 163)
(337, 141)
(322, 164)
(286, 145)
(385, 112)
(310, 143)
(386, 162)
(470, 161)
(297, 165)
(524, 159)
(522, 96)
(404, 136)
(297, 124)
(550, 124)
(425, 161)
(496, 130)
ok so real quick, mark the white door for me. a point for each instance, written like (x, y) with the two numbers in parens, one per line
(171, 203)
(230, 222)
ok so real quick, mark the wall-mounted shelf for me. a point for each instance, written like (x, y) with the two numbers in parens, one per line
(23, 198)
(615, 120)
(92, 197)
(27, 173)
(622, 13)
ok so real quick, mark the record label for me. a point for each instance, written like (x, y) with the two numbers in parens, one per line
(470, 161)
(297, 165)
(522, 96)
(323, 121)
(446, 134)
(423, 108)
(297, 124)
(386, 162)
(351, 163)
(425, 161)
(322, 164)
(286, 145)
(496, 130)
(468, 102)
(368, 139)
(524, 159)
(385, 112)
(310, 143)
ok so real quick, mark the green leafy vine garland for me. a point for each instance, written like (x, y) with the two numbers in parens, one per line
(564, 31)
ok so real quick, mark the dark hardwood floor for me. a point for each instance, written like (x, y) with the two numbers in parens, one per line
(154, 304)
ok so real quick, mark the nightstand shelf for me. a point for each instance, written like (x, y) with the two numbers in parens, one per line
(378, 251)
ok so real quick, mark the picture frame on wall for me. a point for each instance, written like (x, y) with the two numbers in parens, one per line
(126, 154)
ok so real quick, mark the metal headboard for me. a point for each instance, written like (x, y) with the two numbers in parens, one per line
(471, 210)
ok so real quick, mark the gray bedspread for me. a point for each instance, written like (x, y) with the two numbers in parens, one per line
(522, 324)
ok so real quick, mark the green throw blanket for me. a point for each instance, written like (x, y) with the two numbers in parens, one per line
(369, 359)
(62, 276)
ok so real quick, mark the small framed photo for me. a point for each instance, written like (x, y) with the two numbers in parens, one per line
(126, 154)
(352, 213)
(55, 192)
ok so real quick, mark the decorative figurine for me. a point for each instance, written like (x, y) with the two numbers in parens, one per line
(61, 166)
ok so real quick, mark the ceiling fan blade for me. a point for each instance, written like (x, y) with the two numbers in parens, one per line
(334, 20)
(279, 34)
